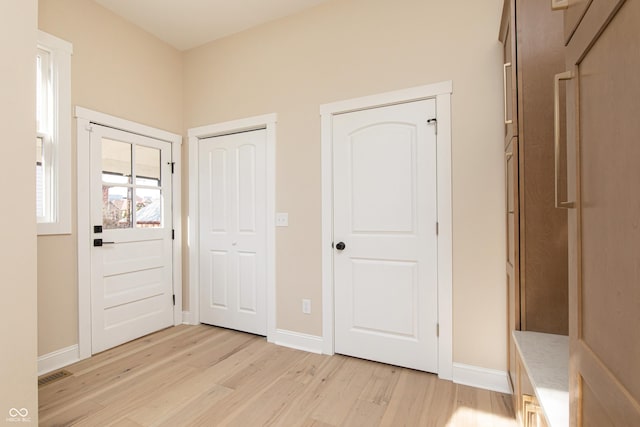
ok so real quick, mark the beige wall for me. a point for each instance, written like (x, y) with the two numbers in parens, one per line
(351, 48)
(18, 386)
(117, 69)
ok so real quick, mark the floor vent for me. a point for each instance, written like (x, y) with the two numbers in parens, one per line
(53, 377)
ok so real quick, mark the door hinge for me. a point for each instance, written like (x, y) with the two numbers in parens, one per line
(174, 299)
(88, 128)
(434, 122)
(173, 164)
(437, 329)
(173, 234)
(437, 228)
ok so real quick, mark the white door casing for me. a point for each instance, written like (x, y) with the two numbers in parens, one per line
(131, 269)
(233, 243)
(86, 124)
(385, 214)
(441, 93)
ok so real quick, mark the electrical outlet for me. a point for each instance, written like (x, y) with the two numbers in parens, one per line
(306, 306)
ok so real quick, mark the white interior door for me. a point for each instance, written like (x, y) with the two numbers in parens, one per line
(385, 215)
(232, 201)
(131, 254)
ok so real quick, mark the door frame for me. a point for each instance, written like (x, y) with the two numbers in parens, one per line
(441, 92)
(84, 119)
(267, 122)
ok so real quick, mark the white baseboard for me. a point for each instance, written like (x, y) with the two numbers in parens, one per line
(58, 359)
(488, 379)
(297, 340)
(187, 318)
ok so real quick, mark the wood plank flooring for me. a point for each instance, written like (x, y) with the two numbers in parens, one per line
(207, 376)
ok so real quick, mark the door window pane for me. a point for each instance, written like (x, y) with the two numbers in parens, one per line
(116, 207)
(147, 166)
(116, 162)
(148, 208)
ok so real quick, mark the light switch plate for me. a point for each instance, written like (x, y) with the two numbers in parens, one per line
(282, 219)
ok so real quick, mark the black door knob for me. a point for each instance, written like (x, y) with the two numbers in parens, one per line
(340, 246)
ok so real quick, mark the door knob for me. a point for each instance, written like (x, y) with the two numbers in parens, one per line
(340, 246)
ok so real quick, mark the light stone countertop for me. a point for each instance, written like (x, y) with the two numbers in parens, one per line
(546, 359)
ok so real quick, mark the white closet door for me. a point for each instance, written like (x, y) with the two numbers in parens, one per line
(233, 231)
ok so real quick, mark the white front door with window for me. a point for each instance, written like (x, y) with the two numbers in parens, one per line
(232, 200)
(131, 237)
(385, 214)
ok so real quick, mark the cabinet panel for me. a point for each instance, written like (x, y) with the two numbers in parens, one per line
(593, 414)
(512, 264)
(511, 167)
(528, 410)
(543, 229)
(573, 15)
(604, 289)
(508, 38)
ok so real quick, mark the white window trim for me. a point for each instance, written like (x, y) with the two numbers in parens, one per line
(60, 57)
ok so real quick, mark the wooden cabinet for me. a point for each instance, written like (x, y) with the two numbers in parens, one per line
(508, 38)
(603, 176)
(513, 282)
(528, 410)
(533, 39)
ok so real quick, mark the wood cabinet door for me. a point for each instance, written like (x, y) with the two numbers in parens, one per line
(513, 263)
(604, 128)
(508, 39)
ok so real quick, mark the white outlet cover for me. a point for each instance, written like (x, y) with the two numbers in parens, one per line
(306, 306)
(282, 219)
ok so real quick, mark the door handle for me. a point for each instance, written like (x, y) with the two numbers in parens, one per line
(99, 242)
(507, 121)
(340, 246)
(567, 75)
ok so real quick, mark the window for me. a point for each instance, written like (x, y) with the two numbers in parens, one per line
(53, 138)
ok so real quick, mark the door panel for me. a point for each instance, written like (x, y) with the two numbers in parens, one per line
(604, 255)
(131, 284)
(372, 296)
(385, 213)
(233, 235)
(382, 185)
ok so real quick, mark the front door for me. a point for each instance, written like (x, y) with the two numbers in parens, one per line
(131, 256)
(385, 256)
(233, 228)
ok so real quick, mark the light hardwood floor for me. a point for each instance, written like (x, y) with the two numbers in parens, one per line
(207, 376)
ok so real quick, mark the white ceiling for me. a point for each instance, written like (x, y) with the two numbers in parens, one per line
(185, 24)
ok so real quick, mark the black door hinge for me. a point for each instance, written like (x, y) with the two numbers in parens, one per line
(433, 121)
(174, 299)
(173, 164)
(173, 234)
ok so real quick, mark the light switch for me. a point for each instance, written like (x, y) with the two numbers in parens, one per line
(282, 219)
